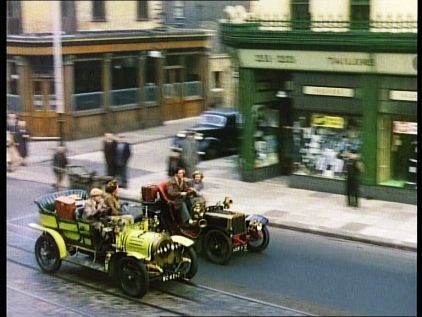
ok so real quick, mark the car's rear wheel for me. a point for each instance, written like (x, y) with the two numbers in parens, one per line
(47, 253)
(260, 241)
(217, 246)
(192, 268)
(133, 277)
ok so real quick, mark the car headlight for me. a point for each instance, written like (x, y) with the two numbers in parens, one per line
(199, 136)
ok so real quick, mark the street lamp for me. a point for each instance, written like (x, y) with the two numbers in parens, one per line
(58, 64)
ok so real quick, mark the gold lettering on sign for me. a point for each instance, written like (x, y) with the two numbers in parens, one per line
(329, 91)
(327, 121)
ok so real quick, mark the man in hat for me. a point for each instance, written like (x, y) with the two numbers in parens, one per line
(353, 170)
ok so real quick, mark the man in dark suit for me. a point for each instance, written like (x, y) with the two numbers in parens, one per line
(109, 147)
(122, 155)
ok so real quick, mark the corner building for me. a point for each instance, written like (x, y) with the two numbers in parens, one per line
(317, 81)
(122, 69)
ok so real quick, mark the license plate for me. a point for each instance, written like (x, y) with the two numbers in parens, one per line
(240, 248)
(170, 276)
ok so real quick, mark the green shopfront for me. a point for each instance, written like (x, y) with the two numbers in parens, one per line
(305, 109)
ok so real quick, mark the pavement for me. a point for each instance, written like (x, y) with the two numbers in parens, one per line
(376, 222)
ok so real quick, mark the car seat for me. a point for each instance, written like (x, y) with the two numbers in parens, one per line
(174, 215)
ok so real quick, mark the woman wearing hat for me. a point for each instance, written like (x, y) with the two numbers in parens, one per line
(196, 182)
(111, 199)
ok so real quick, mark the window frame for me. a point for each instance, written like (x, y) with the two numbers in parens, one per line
(144, 14)
(97, 7)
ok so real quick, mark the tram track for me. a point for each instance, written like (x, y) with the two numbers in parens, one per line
(183, 294)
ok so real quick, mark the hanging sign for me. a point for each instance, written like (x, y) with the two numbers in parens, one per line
(404, 127)
(327, 121)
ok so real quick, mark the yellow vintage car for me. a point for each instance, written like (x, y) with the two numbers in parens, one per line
(131, 253)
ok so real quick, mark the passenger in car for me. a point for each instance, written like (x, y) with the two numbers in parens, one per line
(111, 199)
(197, 186)
(178, 190)
(196, 182)
(95, 207)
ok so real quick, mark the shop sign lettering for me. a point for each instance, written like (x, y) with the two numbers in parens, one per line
(329, 91)
(351, 61)
(282, 59)
(327, 121)
(355, 62)
(404, 127)
(403, 95)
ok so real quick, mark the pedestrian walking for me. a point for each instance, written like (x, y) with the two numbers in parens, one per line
(122, 155)
(189, 154)
(22, 137)
(12, 155)
(109, 148)
(59, 165)
(354, 168)
(12, 123)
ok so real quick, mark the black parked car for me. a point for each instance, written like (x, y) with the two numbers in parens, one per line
(217, 133)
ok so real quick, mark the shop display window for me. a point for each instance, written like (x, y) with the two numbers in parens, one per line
(404, 154)
(267, 125)
(321, 143)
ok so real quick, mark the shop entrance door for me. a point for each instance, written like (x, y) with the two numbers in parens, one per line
(172, 93)
(286, 136)
(43, 111)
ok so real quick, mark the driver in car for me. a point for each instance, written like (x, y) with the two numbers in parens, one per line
(178, 190)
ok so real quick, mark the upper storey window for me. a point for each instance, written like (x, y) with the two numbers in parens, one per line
(359, 14)
(14, 23)
(142, 13)
(98, 11)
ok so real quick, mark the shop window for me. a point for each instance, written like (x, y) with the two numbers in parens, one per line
(266, 121)
(321, 143)
(404, 153)
(142, 10)
(88, 85)
(98, 11)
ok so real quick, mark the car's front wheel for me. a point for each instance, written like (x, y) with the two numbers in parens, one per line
(259, 240)
(217, 246)
(191, 268)
(133, 277)
(47, 253)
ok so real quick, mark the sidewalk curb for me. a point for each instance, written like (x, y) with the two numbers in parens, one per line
(356, 238)
(326, 233)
